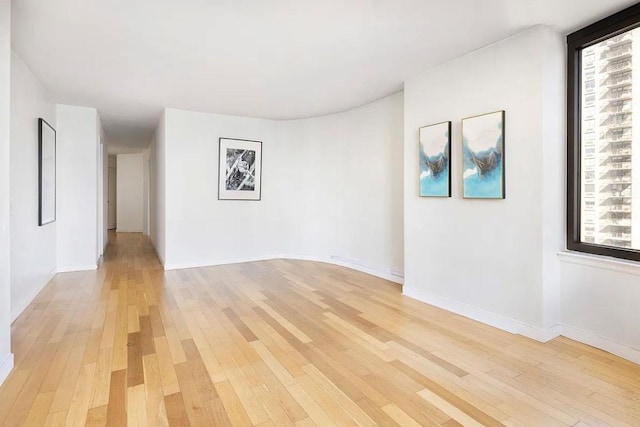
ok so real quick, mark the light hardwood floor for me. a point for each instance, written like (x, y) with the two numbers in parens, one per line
(286, 343)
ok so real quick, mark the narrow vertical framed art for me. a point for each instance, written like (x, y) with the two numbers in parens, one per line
(435, 160)
(240, 169)
(483, 150)
(46, 173)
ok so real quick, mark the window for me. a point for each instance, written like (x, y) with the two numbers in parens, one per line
(603, 143)
(589, 125)
(589, 61)
(589, 85)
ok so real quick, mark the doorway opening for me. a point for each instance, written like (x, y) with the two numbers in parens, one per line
(112, 193)
(127, 191)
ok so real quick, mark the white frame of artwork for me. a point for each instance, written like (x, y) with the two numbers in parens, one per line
(246, 144)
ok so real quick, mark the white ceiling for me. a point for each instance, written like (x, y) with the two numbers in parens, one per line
(279, 59)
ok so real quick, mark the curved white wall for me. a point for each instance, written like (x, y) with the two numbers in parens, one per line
(348, 186)
(331, 189)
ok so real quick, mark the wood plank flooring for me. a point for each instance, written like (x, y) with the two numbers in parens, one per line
(286, 343)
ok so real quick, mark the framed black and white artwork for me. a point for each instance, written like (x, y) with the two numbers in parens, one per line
(240, 170)
(46, 173)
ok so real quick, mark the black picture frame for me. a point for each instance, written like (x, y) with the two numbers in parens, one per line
(46, 173)
(224, 193)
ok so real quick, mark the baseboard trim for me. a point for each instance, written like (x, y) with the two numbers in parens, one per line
(213, 263)
(597, 341)
(74, 268)
(481, 315)
(517, 327)
(16, 313)
(391, 275)
(128, 230)
(6, 366)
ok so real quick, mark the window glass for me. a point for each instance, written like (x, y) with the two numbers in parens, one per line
(609, 144)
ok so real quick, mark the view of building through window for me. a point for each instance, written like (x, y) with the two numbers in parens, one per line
(610, 142)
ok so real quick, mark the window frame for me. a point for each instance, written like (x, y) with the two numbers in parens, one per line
(611, 26)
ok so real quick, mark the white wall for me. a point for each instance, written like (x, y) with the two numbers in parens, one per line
(146, 192)
(600, 303)
(346, 174)
(503, 262)
(113, 213)
(331, 189)
(102, 159)
(554, 137)
(6, 358)
(130, 184)
(200, 229)
(77, 175)
(489, 259)
(105, 194)
(157, 189)
(33, 248)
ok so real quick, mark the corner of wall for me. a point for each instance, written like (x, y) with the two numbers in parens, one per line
(553, 107)
(590, 338)
(487, 317)
(6, 366)
(157, 191)
(18, 307)
(5, 125)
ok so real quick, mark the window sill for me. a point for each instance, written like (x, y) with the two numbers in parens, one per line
(602, 262)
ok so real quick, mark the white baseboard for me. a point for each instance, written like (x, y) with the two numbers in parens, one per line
(597, 341)
(387, 274)
(550, 333)
(6, 366)
(17, 311)
(481, 315)
(391, 275)
(212, 263)
(74, 268)
(517, 327)
(128, 230)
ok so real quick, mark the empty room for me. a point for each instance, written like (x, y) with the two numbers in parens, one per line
(319, 213)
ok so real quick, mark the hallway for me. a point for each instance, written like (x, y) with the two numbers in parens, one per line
(286, 343)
